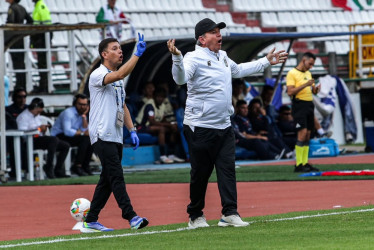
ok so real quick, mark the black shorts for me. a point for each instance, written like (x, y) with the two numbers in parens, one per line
(303, 114)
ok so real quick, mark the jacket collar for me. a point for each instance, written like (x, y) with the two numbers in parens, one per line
(208, 51)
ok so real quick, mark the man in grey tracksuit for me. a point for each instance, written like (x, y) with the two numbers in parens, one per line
(208, 72)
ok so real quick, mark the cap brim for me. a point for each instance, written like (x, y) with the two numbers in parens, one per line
(221, 25)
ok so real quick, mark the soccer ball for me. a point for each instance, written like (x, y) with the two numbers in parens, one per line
(79, 209)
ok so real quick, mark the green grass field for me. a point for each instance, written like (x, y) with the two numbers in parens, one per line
(344, 228)
(243, 174)
(332, 229)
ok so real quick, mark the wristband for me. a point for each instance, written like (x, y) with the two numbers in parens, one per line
(133, 129)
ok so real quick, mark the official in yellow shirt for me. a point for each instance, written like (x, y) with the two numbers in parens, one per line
(41, 16)
(301, 87)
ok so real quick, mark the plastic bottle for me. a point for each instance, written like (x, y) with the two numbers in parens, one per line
(37, 168)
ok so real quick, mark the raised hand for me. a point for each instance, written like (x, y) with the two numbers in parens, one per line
(277, 57)
(140, 47)
(171, 46)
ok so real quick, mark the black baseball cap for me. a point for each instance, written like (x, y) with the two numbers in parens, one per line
(206, 25)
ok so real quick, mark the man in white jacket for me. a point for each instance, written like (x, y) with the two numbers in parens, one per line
(208, 72)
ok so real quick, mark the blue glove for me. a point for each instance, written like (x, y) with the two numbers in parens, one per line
(134, 139)
(140, 47)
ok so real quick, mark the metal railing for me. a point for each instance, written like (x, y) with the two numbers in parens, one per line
(30, 66)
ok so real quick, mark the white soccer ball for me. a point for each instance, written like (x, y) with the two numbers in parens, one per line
(79, 209)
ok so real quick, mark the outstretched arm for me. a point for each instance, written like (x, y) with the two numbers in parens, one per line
(249, 68)
(277, 57)
(182, 70)
(127, 68)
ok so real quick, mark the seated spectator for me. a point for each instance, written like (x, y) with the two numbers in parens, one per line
(71, 126)
(16, 108)
(148, 90)
(266, 97)
(29, 119)
(11, 113)
(248, 139)
(168, 102)
(287, 126)
(237, 91)
(262, 125)
(147, 94)
(151, 119)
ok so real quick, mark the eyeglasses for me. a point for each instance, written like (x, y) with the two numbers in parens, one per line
(21, 96)
(82, 104)
(286, 113)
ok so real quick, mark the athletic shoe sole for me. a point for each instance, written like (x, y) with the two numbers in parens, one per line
(89, 230)
(227, 224)
(192, 227)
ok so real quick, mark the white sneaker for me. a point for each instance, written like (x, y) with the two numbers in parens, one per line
(198, 222)
(232, 220)
(175, 158)
(165, 159)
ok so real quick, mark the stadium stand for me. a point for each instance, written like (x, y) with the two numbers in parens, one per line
(160, 19)
(156, 19)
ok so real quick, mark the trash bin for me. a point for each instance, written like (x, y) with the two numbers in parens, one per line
(369, 130)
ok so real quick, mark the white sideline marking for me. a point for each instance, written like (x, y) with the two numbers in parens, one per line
(90, 238)
(318, 215)
(175, 230)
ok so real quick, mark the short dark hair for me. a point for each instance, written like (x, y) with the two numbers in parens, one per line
(36, 103)
(16, 92)
(284, 108)
(240, 103)
(309, 55)
(103, 45)
(253, 102)
(79, 96)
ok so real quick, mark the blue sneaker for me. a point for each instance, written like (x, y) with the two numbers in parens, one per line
(138, 222)
(92, 227)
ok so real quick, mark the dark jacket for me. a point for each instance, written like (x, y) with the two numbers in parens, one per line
(18, 14)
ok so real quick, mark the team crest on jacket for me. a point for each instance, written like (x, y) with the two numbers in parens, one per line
(224, 59)
(209, 63)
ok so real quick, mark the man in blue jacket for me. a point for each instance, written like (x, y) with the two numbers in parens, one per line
(71, 126)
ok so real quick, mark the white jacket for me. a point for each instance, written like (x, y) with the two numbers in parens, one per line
(209, 90)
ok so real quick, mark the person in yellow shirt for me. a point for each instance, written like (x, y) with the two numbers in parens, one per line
(300, 87)
(41, 16)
